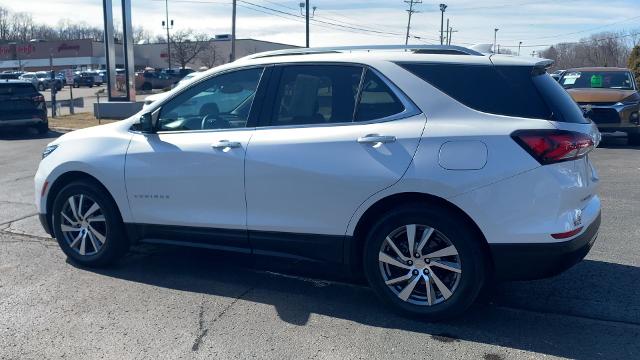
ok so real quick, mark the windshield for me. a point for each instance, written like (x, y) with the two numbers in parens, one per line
(621, 80)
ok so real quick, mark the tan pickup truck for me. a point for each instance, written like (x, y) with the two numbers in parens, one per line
(608, 96)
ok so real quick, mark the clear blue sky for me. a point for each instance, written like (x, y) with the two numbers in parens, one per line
(538, 22)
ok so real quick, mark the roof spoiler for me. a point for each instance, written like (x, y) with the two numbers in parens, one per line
(483, 48)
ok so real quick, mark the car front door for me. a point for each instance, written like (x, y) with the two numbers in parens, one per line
(332, 136)
(185, 182)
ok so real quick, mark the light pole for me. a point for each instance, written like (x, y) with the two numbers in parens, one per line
(443, 7)
(168, 27)
(519, 45)
(495, 35)
(233, 32)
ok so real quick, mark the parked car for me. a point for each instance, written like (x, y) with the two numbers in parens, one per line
(165, 78)
(97, 77)
(9, 76)
(83, 78)
(44, 78)
(428, 171)
(103, 76)
(33, 78)
(608, 96)
(21, 105)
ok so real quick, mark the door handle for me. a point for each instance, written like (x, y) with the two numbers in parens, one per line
(223, 144)
(376, 139)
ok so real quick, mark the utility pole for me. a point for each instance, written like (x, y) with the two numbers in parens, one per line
(307, 16)
(233, 32)
(451, 31)
(519, 45)
(307, 19)
(410, 11)
(446, 38)
(168, 27)
(495, 35)
(443, 7)
(53, 85)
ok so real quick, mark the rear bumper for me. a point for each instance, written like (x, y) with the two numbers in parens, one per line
(542, 260)
(22, 122)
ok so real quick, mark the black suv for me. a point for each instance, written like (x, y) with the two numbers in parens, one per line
(83, 79)
(21, 105)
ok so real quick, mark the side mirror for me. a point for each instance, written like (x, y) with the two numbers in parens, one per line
(147, 122)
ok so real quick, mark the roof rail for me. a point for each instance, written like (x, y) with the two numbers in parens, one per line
(421, 49)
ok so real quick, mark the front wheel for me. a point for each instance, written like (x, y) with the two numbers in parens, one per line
(87, 225)
(425, 261)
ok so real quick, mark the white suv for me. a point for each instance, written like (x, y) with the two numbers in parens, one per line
(430, 171)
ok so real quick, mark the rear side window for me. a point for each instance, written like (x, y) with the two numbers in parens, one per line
(17, 89)
(504, 90)
(562, 105)
(377, 101)
(316, 94)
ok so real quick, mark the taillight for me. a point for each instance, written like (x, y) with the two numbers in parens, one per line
(38, 98)
(552, 146)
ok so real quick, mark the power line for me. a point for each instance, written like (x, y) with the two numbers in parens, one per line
(585, 41)
(583, 31)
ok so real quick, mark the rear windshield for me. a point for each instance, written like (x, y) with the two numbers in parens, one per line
(517, 91)
(621, 80)
(16, 89)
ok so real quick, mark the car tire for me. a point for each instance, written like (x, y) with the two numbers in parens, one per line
(42, 128)
(89, 236)
(41, 87)
(76, 85)
(633, 139)
(90, 85)
(449, 293)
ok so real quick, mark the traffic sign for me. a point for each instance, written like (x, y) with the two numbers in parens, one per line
(68, 76)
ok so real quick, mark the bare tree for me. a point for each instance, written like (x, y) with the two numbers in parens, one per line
(140, 34)
(210, 56)
(187, 45)
(603, 49)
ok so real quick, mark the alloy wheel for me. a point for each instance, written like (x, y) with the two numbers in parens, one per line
(420, 265)
(83, 225)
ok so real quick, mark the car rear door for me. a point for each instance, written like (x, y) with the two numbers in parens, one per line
(317, 156)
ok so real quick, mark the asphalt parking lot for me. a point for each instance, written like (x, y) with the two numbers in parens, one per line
(163, 302)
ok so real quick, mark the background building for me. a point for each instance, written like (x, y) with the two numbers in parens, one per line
(89, 54)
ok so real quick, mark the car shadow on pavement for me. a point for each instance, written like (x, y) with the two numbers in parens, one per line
(26, 134)
(591, 311)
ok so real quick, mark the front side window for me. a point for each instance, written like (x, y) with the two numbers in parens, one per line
(316, 94)
(223, 102)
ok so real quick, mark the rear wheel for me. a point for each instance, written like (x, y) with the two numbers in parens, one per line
(425, 261)
(87, 225)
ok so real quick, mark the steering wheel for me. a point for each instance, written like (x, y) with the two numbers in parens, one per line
(213, 122)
